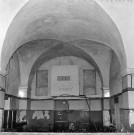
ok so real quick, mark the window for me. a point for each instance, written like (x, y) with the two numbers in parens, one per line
(42, 83)
(89, 82)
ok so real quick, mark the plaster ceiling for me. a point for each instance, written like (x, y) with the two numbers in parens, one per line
(62, 20)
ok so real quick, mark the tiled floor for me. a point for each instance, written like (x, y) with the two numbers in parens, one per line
(15, 133)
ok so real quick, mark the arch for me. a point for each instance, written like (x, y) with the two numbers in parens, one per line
(58, 51)
(83, 42)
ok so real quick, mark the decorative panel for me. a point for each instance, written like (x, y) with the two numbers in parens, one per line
(64, 80)
(89, 82)
(42, 83)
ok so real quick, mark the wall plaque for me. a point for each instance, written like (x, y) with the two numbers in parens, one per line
(64, 80)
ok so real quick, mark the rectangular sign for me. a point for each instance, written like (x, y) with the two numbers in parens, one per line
(64, 80)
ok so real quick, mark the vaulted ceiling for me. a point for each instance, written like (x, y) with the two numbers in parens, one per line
(63, 20)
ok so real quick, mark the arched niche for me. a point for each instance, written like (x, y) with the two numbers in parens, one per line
(61, 50)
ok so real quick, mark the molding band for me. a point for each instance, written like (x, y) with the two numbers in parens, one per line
(3, 90)
(127, 89)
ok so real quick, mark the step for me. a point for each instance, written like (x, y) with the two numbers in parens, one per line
(29, 133)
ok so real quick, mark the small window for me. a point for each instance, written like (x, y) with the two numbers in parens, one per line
(89, 82)
(42, 83)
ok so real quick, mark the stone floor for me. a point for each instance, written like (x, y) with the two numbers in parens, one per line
(22, 133)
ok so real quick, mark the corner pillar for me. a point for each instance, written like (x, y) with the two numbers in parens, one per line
(106, 106)
(2, 97)
(127, 112)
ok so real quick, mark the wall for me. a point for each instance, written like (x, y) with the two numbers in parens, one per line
(117, 12)
(30, 53)
(121, 13)
(67, 60)
(13, 77)
(33, 51)
(43, 115)
(115, 76)
(41, 112)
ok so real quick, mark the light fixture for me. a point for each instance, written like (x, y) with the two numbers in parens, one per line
(106, 93)
(22, 92)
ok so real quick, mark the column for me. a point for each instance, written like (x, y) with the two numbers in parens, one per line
(127, 113)
(23, 102)
(105, 106)
(2, 96)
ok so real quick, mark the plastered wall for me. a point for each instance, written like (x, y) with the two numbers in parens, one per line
(107, 62)
(13, 77)
(82, 64)
(115, 81)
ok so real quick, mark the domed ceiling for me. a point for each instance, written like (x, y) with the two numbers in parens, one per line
(62, 20)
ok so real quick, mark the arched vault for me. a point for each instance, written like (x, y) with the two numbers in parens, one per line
(60, 50)
(64, 21)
